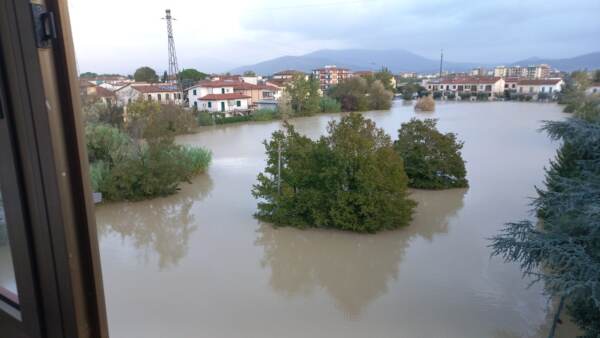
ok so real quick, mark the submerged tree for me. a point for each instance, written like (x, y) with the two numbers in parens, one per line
(573, 93)
(563, 250)
(351, 179)
(304, 95)
(432, 160)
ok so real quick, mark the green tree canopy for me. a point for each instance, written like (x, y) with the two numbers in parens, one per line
(432, 160)
(385, 76)
(563, 250)
(88, 75)
(379, 97)
(351, 93)
(190, 76)
(304, 95)
(360, 94)
(249, 73)
(351, 179)
(145, 74)
(596, 77)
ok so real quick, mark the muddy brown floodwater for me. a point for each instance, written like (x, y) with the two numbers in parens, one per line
(197, 264)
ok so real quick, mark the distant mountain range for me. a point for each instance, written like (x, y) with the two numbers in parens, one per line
(398, 61)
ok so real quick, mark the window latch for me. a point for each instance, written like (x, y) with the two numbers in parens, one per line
(45, 26)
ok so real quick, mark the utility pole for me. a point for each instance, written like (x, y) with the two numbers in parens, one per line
(173, 72)
(279, 167)
(441, 61)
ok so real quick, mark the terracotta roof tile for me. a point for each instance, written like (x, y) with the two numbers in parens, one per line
(156, 88)
(540, 82)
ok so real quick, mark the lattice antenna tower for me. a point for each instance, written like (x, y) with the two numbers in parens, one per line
(173, 72)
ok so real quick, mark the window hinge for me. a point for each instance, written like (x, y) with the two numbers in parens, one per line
(44, 25)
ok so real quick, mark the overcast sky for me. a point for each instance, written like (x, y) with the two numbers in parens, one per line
(217, 35)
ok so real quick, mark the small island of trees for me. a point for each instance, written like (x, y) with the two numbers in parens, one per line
(355, 177)
(351, 179)
(432, 160)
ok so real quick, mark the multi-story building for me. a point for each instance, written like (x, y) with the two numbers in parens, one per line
(331, 75)
(517, 71)
(538, 72)
(287, 74)
(501, 71)
(531, 72)
(478, 71)
(408, 75)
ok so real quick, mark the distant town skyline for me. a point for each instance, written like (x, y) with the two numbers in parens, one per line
(119, 36)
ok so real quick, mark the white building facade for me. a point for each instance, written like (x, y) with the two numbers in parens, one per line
(535, 87)
(230, 104)
(468, 84)
(161, 93)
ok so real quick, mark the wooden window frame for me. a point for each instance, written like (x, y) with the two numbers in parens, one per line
(62, 294)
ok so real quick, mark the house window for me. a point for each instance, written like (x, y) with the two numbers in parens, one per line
(238, 103)
(488, 88)
(179, 96)
(194, 91)
(149, 97)
(159, 98)
(167, 97)
(222, 90)
(209, 104)
(196, 105)
(543, 89)
(531, 89)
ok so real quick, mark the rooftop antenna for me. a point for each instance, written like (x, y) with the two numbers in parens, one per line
(173, 72)
(441, 61)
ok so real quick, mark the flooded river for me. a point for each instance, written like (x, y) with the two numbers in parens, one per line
(197, 264)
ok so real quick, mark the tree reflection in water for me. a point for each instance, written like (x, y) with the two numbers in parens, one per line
(162, 225)
(354, 269)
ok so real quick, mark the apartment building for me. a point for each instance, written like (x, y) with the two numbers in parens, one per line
(287, 74)
(331, 75)
(541, 71)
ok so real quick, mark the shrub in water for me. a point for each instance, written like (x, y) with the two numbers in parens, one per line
(329, 105)
(432, 160)
(265, 115)
(426, 103)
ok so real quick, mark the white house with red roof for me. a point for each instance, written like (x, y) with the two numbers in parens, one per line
(229, 103)
(228, 95)
(491, 85)
(161, 93)
(537, 86)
